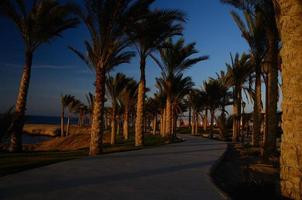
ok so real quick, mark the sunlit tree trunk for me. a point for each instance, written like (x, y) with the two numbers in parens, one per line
(193, 123)
(164, 123)
(126, 123)
(169, 116)
(16, 127)
(139, 124)
(113, 124)
(290, 28)
(97, 130)
(205, 120)
(154, 124)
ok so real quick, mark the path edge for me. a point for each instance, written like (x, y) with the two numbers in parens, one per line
(213, 169)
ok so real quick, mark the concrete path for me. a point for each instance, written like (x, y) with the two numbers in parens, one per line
(171, 172)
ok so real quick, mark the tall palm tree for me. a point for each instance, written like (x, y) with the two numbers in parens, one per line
(238, 71)
(107, 22)
(65, 101)
(180, 89)
(266, 7)
(149, 35)
(160, 97)
(226, 97)
(253, 32)
(152, 110)
(127, 99)
(195, 100)
(175, 58)
(289, 15)
(39, 24)
(114, 87)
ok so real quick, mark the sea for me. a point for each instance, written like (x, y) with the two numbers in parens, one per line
(33, 139)
(35, 119)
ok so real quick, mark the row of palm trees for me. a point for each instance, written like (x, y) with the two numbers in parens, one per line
(114, 27)
(118, 26)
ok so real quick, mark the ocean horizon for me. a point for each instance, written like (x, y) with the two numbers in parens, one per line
(37, 119)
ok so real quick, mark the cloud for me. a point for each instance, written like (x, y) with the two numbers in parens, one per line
(14, 66)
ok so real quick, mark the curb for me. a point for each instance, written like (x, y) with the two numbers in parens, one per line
(212, 170)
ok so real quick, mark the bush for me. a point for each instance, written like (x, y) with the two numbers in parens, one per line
(153, 140)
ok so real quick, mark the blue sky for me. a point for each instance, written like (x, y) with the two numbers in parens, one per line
(56, 70)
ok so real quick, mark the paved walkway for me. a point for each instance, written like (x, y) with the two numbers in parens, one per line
(171, 172)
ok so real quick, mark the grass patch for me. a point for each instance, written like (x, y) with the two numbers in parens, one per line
(154, 140)
(16, 162)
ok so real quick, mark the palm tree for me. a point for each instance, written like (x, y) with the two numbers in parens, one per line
(73, 107)
(152, 110)
(114, 87)
(127, 99)
(289, 15)
(175, 58)
(195, 100)
(180, 89)
(65, 101)
(215, 94)
(39, 24)
(149, 35)
(225, 100)
(254, 34)
(107, 22)
(266, 8)
(238, 71)
(90, 100)
(160, 97)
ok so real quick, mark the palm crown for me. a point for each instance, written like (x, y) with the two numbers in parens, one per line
(45, 21)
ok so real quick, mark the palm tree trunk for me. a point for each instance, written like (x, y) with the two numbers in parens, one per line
(96, 141)
(162, 122)
(174, 127)
(113, 124)
(236, 113)
(257, 109)
(272, 94)
(193, 123)
(212, 123)
(16, 127)
(126, 123)
(139, 124)
(169, 117)
(205, 122)
(62, 122)
(190, 111)
(68, 125)
(196, 123)
(154, 124)
(235, 121)
(290, 28)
